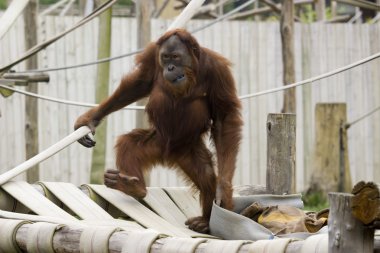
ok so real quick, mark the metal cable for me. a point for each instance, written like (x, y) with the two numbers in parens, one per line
(313, 79)
(348, 125)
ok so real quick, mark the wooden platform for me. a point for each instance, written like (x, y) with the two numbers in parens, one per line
(60, 217)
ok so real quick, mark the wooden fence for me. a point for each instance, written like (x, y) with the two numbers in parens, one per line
(254, 49)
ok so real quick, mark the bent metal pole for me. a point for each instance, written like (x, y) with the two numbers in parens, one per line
(73, 137)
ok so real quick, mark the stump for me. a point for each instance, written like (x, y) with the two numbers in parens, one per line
(346, 233)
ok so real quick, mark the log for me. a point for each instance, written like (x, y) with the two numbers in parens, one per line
(366, 203)
(13, 82)
(67, 240)
(28, 77)
(281, 153)
(346, 233)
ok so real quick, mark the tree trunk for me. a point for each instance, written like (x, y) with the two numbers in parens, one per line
(31, 104)
(287, 38)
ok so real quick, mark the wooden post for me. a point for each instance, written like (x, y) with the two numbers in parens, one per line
(144, 10)
(307, 108)
(281, 153)
(330, 160)
(346, 233)
(143, 13)
(333, 8)
(320, 9)
(287, 39)
(31, 104)
(102, 87)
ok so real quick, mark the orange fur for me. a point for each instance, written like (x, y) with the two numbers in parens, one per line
(179, 122)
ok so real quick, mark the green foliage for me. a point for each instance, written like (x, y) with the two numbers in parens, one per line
(125, 2)
(328, 13)
(47, 2)
(3, 4)
(308, 15)
(315, 201)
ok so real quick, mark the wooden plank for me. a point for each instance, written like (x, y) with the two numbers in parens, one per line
(160, 202)
(32, 199)
(76, 200)
(187, 202)
(140, 213)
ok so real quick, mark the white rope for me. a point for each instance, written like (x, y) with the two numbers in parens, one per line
(62, 101)
(313, 79)
(285, 87)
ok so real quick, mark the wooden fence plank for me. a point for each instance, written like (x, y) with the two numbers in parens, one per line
(256, 65)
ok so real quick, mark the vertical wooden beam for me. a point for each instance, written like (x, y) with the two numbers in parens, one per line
(143, 14)
(346, 233)
(31, 104)
(330, 160)
(281, 153)
(333, 8)
(287, 39)
(144, 9)
(320, 9)
(307, 108)
(102, 87)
